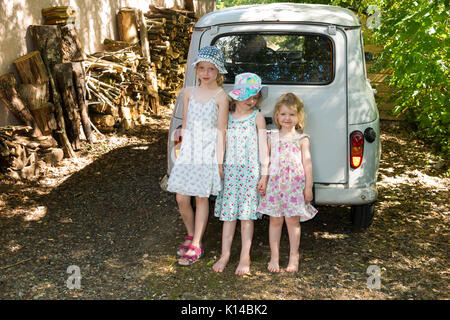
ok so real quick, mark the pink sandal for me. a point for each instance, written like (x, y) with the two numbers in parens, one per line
(181, 250)
(191, 259)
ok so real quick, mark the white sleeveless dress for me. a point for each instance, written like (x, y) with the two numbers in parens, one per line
(196, 172)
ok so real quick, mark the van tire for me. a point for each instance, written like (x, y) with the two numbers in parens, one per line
(362, 216)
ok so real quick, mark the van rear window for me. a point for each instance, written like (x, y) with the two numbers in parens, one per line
(279, 58)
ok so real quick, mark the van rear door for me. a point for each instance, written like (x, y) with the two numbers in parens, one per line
(305, 60)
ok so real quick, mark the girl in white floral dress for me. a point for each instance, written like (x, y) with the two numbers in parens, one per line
(198, 168)
(289, 188)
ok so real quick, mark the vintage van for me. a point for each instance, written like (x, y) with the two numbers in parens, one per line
(316, 52)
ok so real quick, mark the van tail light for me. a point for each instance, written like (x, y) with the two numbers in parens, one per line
(356, 148)
(177, 136)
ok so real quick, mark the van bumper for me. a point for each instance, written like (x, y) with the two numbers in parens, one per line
(343, 195)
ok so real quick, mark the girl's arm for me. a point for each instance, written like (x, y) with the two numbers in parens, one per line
(263, 152)
(222, 122)
(186, 95)
(307, 166)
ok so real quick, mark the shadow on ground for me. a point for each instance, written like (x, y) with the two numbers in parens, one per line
(112, 221)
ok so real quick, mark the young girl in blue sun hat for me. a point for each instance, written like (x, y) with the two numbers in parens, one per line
(246, 158)
(198, 168)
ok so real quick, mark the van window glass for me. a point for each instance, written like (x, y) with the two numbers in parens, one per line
(279, 58)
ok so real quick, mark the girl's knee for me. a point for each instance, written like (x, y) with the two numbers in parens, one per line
(183, 200)
(293, 221)
(201, 200)
(276, 221)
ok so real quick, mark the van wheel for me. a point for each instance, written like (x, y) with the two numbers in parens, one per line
(362, 216)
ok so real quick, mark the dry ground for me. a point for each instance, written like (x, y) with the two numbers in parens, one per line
(105, 213)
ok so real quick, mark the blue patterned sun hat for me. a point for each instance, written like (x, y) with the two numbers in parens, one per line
(247, 85)
(214, 55)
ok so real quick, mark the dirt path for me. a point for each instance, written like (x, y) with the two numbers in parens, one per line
(105, 213)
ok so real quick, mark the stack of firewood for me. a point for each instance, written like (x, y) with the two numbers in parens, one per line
(21, 153)
(120, 86)
(169, 34)
(59, 15)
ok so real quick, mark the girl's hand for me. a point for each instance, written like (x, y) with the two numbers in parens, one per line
(262, 185)
(308, 195)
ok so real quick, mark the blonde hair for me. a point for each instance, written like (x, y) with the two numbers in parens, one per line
(294, 103)
(219, 78)
(232, 106)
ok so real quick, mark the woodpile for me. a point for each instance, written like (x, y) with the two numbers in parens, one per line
(63, 93)
(121, 88)
(169, 35)
(142, 70)
(21, 153)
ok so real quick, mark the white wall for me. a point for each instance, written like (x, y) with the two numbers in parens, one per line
(96, 20)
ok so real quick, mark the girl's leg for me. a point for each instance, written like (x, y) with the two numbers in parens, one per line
(294, 231)
(187, 214)
(275, 228)
(247, 227)
(201, 219)
(227, 238)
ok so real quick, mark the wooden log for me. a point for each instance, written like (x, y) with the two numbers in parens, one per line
(80, 89)
(103, 120)
(143, 35)
(127, 25)
(33, 95)
(104, 109)
(64, 81)
(47, 39)
(36, 98)
(31, 68)
(71, 46)
(115, 45)
(68, 151)
(10, 97)
(189, 5)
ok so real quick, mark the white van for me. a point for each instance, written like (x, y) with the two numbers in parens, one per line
(316, 52)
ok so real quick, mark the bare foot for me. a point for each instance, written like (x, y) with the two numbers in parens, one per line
(220, 265)
(243, 267)
(273, 266)
(293, 263)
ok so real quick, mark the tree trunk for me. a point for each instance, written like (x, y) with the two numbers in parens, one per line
(64, 81)
(12, 100)
(31, 68)
(47, 39)
(67, 148)
(71, 46)
(127, 25)
(80, 88)
(143, 35)
(36, 97)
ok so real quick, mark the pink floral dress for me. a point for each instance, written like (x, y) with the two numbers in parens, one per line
(284, 193)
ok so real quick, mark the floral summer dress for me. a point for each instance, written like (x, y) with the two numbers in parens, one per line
(284, 193)
(196, 172)
(239, 197)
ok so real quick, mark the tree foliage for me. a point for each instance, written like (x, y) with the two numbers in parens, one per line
(415, 39)
(414, 34)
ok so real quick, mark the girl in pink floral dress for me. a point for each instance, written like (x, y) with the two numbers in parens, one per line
(289, 187)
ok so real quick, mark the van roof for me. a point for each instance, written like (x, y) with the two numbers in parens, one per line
(284, 12)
